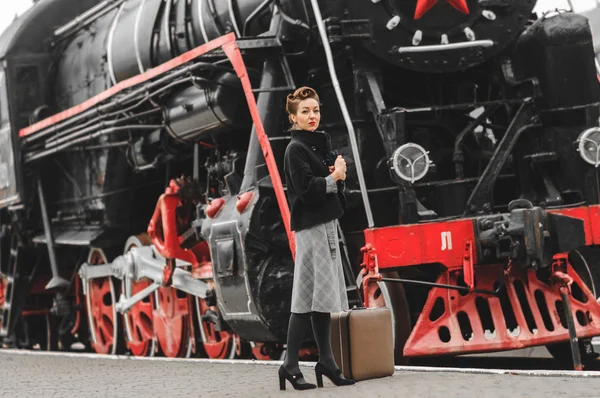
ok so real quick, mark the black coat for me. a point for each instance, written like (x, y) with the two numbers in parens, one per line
(305, 172)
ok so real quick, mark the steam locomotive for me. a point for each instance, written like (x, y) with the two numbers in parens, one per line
(142, 206)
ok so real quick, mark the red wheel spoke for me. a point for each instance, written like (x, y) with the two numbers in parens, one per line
(100, 304)
(140, 316)
(145, 328)
(172, 323)
(102, 286)
(101, 337)
(107, 312)
(108, 327)
(143, 323)
(182, 306)
(142, 307)
(218, 345)
(140, 322)
(135, 334)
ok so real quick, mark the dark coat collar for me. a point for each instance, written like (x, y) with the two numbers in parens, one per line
(318, 139)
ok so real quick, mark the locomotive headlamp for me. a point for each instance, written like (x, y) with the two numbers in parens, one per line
(410, 162)
(589, 146)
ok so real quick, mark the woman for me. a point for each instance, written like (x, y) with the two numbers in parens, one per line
(317, 200)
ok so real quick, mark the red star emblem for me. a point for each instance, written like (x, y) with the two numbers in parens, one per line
(425, 5)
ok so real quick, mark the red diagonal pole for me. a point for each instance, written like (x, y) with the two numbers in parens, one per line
(235, 57)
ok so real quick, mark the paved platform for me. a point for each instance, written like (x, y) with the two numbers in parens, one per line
(26, 374)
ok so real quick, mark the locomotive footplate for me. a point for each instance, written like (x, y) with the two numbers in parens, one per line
(506, 281)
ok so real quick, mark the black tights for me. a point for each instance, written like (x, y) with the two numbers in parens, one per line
(321, 325)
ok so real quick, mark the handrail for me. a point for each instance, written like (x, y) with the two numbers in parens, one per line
(229, 46)
(446, 47)
(340, 97)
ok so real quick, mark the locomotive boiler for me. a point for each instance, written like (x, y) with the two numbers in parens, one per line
(143, 209)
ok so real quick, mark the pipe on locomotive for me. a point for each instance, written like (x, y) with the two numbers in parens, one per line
(347, 119)
(86, 18)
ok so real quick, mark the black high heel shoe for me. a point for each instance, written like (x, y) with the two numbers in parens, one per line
(293, 378)
(334, 375)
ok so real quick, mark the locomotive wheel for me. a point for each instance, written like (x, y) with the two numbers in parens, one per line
(172, 322)
(3, 284)
(137, 322)
(103, 318)
(586, 262)
(267, 352)
(36, 332)
(217, 344)
(243, 350)
(393, 296)
(50, 338)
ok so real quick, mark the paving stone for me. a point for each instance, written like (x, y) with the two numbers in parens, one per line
(82, 377)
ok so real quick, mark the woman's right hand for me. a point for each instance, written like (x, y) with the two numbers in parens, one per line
(339, 172)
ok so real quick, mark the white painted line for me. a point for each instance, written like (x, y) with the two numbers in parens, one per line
(418, 369)
(151, 359)
(514, 372)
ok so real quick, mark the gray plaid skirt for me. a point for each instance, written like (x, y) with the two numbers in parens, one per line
(319, 284)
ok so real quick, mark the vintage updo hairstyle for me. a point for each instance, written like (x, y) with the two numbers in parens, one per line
(293, 100)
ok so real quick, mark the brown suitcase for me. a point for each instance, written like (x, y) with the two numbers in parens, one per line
(362, 342)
